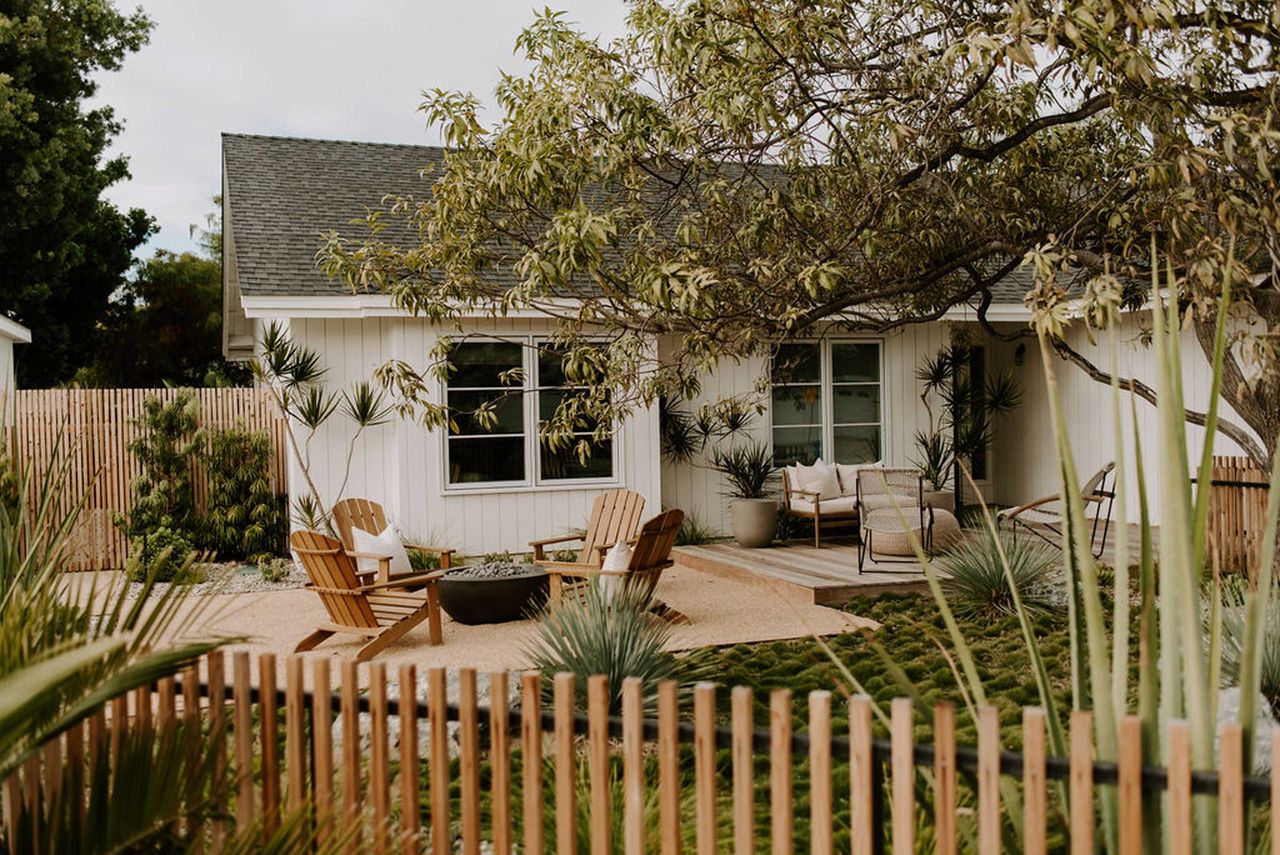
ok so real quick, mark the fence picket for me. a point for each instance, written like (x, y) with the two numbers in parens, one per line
(295, 733)
(598, 762)
(988, 780)
(1231, 790)
(944, 777)
(322, 747)
(349, 709)
(410, 822)
(743, 772)
(500, 763)
(269, 712)
(217, 675)
(902, 737)
(704, 767)
(781, 780)
(566, 810)
(469, 744)
(438, 764)
(1081, 783)
(669, 767)
(379, 757)
(820, 800)
(1129, 786)
(1178, 821)
(244, 738)
(531, 763)
(633, 766)
(861, 776)
(1035, 792)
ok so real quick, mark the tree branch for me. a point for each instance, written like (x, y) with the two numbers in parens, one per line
(1234, 432)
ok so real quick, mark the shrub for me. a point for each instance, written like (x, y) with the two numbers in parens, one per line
(694, 533)
(244, 518)
(978, 585)
(276, 570)
(1235, 590)
(422, 561)
(614, 635)
(162, 494)
(163, 554)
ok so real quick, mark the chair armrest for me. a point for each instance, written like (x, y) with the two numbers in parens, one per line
(547, 541)
(578, 571)
(1034, 503)
(403, 581)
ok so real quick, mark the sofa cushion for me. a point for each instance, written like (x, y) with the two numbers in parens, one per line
(838, 505)
(847, 473)
(819, 478)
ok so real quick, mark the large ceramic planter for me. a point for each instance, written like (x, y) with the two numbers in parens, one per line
(755, 522)
(477, 600)
(942, 500)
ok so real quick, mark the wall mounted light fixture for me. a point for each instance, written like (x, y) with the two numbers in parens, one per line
(1019, 354)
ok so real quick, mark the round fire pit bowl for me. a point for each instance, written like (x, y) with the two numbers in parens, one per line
(495, 592)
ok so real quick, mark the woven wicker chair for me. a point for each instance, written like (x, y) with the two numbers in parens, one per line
(885, 497)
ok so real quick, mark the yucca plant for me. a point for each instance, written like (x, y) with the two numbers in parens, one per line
(293, 375)
(747, 469)
(610, 632)
(977, 582)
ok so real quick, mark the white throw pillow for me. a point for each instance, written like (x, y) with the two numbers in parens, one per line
(819, 478)
(387, 543)
(848, 473)
(618, 558)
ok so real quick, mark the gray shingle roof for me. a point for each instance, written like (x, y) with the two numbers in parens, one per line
(283, 193)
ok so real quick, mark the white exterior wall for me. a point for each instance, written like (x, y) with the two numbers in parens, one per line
(700, 491)
(401, 464)
(1027, 463)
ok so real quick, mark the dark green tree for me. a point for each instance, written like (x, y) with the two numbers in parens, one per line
(65, 248)
(245, 518)
(164, 328)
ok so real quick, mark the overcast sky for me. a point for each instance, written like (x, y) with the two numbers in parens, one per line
(337, 69)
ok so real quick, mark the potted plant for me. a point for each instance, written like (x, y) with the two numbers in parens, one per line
(961, 411)
(747, 469)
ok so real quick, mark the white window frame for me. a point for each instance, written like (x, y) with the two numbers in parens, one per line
(826, 392)
(529, 391)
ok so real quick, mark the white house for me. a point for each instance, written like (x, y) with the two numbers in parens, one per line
(498, 490)
(11, 333)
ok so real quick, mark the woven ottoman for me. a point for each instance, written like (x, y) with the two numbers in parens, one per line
(883, 533)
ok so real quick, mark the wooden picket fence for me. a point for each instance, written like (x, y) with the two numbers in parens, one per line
(89, 430)
(1237, 512)
(345, 778)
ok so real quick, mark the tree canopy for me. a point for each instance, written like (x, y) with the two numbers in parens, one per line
(740, 173)
(65, 249)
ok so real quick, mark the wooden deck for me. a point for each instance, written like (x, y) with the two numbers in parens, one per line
(825, 576)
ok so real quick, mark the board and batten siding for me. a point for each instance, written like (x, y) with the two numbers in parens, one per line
(699, 490)
(400, 464)
(1026, 461)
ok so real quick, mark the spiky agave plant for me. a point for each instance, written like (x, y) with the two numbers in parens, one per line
(609, 632)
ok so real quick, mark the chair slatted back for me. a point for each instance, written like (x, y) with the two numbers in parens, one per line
(652, 552)
(363, 514)
(333, 575)
(615, 516)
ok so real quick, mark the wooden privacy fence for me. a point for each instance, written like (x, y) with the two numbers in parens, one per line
(90, 430)
(1237, 512)
(651, 784)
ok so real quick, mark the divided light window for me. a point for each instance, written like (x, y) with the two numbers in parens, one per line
(826, 402)
(486, 373)
(563, 464)
(522, 390)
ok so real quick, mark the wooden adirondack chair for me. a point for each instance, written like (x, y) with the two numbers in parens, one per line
(369, 516)
(381, 612)
(650, 555)
(615, 515)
